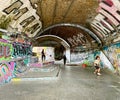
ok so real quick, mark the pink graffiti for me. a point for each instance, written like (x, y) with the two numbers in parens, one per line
(36, 65)
(6, 71)
(12, 65)
(112, 10)
(2, 40)
(109, 2)
(111, 18)
(5, 51)
(1, 75)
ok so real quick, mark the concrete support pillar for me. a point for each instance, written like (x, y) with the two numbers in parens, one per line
(67, 53)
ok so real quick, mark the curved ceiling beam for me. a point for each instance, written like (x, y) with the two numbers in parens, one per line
(72, 25)
(63, 42)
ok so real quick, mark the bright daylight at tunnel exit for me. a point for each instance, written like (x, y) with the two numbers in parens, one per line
(60, 49)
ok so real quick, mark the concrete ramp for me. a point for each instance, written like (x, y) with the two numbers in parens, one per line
(40, 73)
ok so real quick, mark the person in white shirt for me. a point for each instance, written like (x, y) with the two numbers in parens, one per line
(97, 65)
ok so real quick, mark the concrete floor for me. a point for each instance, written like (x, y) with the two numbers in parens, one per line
(72, 83)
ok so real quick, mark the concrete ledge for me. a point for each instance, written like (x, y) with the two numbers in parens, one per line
(40, 64)
(33, 79)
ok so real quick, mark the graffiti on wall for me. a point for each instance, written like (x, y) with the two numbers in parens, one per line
(20, 50)
(80, 57)
(24, 17)
(5, 50)
(89, 57)
(113, 53)
(108, 18)
(8, 67)
(78, 39)
(104, 63)
(11, 69)
(6, 71)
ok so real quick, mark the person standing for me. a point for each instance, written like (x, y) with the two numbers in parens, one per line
(64, 59)
(97, 65)
(43, 55)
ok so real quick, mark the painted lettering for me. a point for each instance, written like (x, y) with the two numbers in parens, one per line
(77, 40)
(20, 12)
(97, 32)
(111, 10)
(103, 19)
(101, 27)
(27, 21)
(15, 6)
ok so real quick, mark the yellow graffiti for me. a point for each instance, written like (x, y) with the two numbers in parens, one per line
(117, 50)
(16, 80)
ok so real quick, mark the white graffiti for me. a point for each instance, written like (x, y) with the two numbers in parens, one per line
(24, 17)
(78, 39)
(108, 18)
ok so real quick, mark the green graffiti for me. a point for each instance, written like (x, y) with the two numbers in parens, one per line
(113, 52)
(5, 51)
(118, 56)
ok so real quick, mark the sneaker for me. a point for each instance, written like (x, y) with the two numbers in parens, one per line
(98, 74)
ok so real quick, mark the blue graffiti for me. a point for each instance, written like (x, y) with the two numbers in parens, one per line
(20, 50)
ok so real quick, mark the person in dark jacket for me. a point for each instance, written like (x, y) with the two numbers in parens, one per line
(64, 59)
(43, 55)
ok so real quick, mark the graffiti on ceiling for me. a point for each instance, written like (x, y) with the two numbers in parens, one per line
(24, 17)
(107, 22)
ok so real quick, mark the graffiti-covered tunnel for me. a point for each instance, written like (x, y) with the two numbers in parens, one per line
(50, 47)
(75, 28)
(68, 36)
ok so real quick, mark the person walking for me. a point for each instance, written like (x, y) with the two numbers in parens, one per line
(43, 55)
(64, 59)
(97, 65)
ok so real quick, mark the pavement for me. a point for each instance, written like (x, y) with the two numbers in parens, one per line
(71, 83)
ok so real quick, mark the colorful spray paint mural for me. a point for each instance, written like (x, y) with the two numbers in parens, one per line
(11, 69)
(105, 63)
(14, 59)
(87, 59)
(5, 50)
(20, 50)
(113, 54)
(6, 70)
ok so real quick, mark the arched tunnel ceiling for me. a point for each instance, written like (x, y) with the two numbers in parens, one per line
(35, 17)
(65, 11)
(51, 40)
(98, 13)
(73, 34)
(79, 12)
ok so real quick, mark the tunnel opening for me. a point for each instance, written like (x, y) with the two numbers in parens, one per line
(81, 44)
(68, 38)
